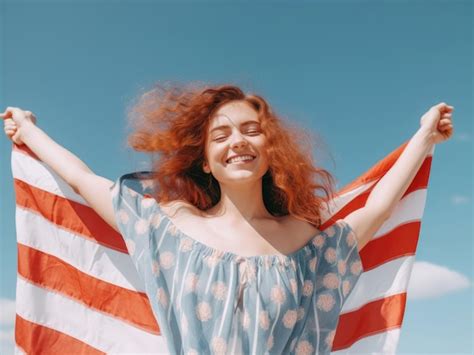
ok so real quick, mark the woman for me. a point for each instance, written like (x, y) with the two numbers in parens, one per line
(226, 232)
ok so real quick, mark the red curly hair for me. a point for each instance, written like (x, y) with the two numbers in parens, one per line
(172, 121)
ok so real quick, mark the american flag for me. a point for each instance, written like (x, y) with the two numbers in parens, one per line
(79, 293)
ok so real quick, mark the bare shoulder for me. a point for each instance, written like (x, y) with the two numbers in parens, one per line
(179, 206)
(299, 227)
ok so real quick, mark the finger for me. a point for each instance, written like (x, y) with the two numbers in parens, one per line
(10, 129)
(448, 108)
(448, 133)
(8, 112)
(443, 106)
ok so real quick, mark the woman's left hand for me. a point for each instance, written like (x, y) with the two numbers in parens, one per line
(438, 122)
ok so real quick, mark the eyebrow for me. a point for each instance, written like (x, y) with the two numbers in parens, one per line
(242, 124)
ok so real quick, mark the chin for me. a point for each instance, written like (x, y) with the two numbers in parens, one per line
(242, 176)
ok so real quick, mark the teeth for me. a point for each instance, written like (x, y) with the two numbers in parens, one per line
(240, 158)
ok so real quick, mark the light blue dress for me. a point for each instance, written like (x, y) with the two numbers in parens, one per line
(208, 301)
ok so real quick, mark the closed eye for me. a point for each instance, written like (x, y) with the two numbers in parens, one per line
(221, 138)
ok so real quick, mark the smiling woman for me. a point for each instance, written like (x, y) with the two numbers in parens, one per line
(195, 129)
(257, 275)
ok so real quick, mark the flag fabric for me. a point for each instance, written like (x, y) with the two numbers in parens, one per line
(78, 291)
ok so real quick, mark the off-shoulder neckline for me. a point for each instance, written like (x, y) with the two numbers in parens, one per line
(206, 249)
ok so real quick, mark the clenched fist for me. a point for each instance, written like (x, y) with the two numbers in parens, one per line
(15, 122)
(438, 121)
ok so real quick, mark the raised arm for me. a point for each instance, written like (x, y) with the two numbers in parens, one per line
(20, 127)
(435, 127)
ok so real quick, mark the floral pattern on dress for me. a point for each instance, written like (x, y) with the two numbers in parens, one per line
(217, 302)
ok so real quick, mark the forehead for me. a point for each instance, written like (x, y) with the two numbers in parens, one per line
(234, 113)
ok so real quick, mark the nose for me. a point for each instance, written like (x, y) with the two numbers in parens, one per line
(238, 141)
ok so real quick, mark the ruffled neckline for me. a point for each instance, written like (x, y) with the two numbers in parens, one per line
(262, 259)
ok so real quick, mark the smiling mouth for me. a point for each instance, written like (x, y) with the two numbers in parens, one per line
(241, 159)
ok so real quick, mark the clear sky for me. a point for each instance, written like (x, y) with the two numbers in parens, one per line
(360, 74)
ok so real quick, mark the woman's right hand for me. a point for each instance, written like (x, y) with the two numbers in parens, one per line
(15, 122)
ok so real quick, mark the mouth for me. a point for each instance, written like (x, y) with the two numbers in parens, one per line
(240, 159)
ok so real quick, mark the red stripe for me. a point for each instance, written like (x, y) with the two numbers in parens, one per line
(373, 318)
(419, 182)
(387, 313)
(37, 339)
(380, 169)
(399, 242)
(376, 171)
(52, 273)
(75, 217)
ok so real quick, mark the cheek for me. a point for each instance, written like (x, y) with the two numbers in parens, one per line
(263, 150)
(215, 155)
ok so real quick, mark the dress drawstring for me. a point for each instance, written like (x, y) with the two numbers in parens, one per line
(245, 272)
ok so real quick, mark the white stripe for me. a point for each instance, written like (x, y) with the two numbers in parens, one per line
(164, 234)
(316, 320)
(229, 285)
(408, 209)
(46, 179)
(211, 274)
(183, 280)
(235, 328)
(383, 343)
(94, 328)
(85, 255)
(431, 152)
(41, 176)
(278, 311)
(386, 280)
(257, 309)
(174, 281)
(339, 201)
(18, 350)
(411, 205)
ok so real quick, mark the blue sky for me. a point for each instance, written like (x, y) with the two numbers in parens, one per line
(360, 74)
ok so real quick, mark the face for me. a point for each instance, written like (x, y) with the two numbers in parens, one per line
(235, 131)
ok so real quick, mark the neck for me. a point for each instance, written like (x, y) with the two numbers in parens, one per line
(242, 201)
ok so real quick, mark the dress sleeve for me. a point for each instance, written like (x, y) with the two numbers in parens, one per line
(338, 271)
(134, 210)
(340, 264)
